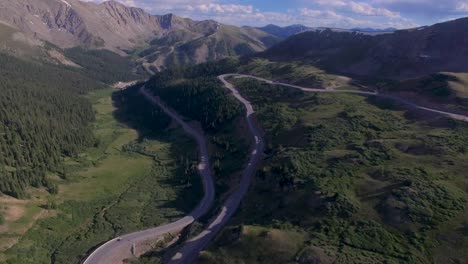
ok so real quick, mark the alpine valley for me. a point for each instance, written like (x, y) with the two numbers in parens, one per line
(131, 137)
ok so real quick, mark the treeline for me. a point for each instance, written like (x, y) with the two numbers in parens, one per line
(104, 65)
(196, 93)
(42, 120)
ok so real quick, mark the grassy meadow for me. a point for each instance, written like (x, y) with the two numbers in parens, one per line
(127, 170)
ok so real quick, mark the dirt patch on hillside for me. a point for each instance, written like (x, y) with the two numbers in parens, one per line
(11, 213)
(60, 58)
(10, 241)
(314, 254)
(30, 41)
(9, 200)
(14, 212)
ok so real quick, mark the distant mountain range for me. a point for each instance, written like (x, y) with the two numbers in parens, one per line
(157, 42)
(374, 29)
(288, 31)
(402, 54)
(119, 28)
(284, 32)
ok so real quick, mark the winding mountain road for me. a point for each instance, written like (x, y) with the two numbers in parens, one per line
(117, 249)
(386, 96)
(192, 248)
(189, 252)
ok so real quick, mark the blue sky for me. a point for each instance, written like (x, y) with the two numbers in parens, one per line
(329, 13)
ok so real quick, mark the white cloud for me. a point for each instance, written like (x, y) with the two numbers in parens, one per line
(428, 7)
(333, 3)
(327, 13)
(359, 8)
(462, 7)
(218, 8)
(368, 10)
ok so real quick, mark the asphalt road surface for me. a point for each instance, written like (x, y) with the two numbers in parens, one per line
(189, 252)
(117, 249)
(398, 99)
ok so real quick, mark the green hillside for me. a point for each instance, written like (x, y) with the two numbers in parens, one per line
(74, 160)
(44, 119)
(211, 42)
(346, 180)
(105, 66)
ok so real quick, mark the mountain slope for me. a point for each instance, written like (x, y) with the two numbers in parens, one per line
(403, 54)
(284, 32)
(204, 41)
(73, 22)
(375, 30)
(288, 31)
(116, 27)
(43, 121)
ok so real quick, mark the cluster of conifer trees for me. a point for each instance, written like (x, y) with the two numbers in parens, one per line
(43, 119)
(134, 110)
(196, 93)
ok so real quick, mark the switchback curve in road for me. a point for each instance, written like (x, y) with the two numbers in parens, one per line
(122, 246)
(192, 248)
(385, 96)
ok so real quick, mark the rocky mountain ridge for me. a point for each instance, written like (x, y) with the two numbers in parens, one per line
(119, 28)
(402, 54)
(284, 32)
(71, 23)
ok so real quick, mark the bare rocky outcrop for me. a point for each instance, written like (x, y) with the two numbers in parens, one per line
(70, 23)
(114, 26)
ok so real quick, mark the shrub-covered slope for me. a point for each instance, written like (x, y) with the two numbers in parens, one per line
(347, 180)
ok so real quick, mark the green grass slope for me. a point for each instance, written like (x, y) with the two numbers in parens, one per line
(73, 164)
(132, 168)
(445, 90)
(347, 180)
(105, 66)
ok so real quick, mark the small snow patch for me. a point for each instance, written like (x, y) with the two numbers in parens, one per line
(65, 2)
